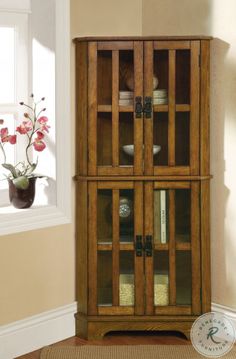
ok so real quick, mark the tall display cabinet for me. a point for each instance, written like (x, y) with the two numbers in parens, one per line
(143, 252)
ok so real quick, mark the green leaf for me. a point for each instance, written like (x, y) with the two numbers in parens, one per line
(32, 168)
(10, 168)
(21, 182)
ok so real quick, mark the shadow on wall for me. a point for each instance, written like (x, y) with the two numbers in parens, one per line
(223, 125)
(177, 18)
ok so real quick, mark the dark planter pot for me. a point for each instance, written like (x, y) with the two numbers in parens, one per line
(22, 198)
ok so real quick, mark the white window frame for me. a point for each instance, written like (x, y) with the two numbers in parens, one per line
(47, 216)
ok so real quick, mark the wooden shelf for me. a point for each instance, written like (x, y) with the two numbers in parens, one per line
(178, 245)
(108, 108)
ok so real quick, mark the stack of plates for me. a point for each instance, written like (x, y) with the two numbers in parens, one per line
(126, 98)
(160, 97)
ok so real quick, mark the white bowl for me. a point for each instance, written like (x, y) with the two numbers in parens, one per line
(129, 149)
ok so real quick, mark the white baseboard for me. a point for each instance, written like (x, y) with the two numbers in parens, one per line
(229, 312)
(33, 333)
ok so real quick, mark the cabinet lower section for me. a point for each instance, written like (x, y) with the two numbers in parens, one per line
(95, 327)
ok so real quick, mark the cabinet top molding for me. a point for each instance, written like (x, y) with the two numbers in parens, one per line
(141, 38)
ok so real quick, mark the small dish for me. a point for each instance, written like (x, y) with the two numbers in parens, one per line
(129, 149)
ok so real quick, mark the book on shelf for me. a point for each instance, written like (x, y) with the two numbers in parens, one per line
(157, 217)
(163, 215)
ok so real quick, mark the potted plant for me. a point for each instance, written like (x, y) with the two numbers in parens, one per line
(22, 177)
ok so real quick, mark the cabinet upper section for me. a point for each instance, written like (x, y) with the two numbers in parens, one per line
(142, 106)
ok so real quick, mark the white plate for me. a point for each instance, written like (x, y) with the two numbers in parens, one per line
(129, 149)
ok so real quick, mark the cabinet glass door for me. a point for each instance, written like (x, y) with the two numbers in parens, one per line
(171, 85)
(173, 265)
(115, 119)
(116, 230)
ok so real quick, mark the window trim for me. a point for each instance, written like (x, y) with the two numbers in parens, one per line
(48, 216)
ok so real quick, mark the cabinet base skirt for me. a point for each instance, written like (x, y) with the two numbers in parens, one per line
(94, 327)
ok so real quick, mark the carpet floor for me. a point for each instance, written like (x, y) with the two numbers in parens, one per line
(125, 352)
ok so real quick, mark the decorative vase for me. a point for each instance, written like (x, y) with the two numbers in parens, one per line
(22, 198)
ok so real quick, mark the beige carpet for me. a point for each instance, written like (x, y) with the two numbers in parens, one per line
(125, 352)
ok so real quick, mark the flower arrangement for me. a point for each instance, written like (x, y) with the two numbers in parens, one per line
(34, 127)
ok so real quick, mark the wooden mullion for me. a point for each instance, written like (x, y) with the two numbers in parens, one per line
(139, 261)
(115, 247)
(194, 105)
(148, 122)
(173, 45)
(82, 106)
(172, 253)
(115, 45)
(115, 108)
(149, 273)
(92, 248)
(171, 123)
(173, 185)
(205, 246)
(92, 109)
(195, 245)
(205, 111)
(138, 122)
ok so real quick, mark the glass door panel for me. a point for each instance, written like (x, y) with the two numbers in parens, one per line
(104, 139)
(104, 77)
(182, 81)
(160, 138)
(176, 243)
(171, 130)
(183, 278)
(182, 139)
(126, 279)
(126, 77)
(183, 215)
(104, 278)
(126, 216)
(161, 278)
(104, 216)
(126, 139)
(115, 80)
(160, 77)
(114, 223)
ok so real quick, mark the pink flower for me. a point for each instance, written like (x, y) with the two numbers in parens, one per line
(25, 127)
(40, 135)
(7, 138)
(43, 122)
(12, 139)
(4, 134)
(39, 145)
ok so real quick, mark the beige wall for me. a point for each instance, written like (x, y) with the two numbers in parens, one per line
(216, 18)
(37, 268)
(37, 272)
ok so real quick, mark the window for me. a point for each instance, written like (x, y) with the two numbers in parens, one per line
(44, 54)
(14, 79)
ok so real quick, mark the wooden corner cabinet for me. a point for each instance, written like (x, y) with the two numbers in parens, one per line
(143, 242)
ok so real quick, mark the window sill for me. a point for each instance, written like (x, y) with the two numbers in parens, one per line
(15, 220)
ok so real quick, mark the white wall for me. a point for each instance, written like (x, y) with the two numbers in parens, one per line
(43, 46)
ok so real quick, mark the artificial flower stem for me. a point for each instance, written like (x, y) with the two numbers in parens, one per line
(4, 154)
